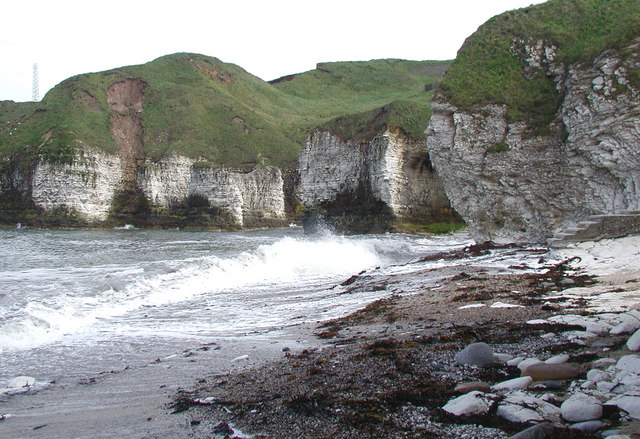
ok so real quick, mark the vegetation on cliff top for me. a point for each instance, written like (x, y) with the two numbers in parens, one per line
(206, 109)
(486, 70)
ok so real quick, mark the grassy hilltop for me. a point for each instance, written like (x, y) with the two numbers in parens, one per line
(487, 72)
(206, 109)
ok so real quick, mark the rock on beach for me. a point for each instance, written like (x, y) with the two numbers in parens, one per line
(580, 407)
(472, 403)
(476, 354)
(547, 371)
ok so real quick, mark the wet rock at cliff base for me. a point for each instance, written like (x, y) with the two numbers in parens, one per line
(634, 341)
(479, 386)
(544, 371)
(544, 430)
(477, 354)
(580, 408)
(472, 403)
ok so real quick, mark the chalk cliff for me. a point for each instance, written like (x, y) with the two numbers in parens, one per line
(514, 179)
(390, 173)
(88, 185)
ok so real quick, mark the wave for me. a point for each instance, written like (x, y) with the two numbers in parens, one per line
(60, 312)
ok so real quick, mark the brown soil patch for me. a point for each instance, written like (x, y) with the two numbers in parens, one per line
(125, 100)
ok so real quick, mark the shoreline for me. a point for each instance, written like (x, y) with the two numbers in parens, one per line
(385, 370)
(388, 369)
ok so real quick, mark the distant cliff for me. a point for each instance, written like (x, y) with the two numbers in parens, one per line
(537, 123)
(370, 184)
(186, 140)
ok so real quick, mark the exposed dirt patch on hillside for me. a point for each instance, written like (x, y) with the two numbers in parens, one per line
(125, 100)
(215, 74)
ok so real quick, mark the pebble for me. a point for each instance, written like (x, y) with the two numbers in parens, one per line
(581, 407)
(544, 430)
(503, 358)
(472, 403)
(522, 407)
(629, 363)
(589, 426)
(240, 358)
(528, 362)
(628, 403)
(516, 383)
(628, 324)
(480, 386)
(603, 363)
(477, 354)
(558, 359)
(634, 341)
(515, 361)
(544, 371)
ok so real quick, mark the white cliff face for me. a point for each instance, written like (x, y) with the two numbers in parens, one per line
(166, 181)
(510, 185)
(86, 186)
(393, 169)
(251, 196)
(328, 166)
(400, 175)
(262, 192)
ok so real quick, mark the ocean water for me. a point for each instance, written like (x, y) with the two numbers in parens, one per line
(77, 302)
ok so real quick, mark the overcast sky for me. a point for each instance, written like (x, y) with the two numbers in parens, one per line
(268, 38)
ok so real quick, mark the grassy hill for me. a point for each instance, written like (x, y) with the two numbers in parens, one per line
(206, 109)
(486, 71)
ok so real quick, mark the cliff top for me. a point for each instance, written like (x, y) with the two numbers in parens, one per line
(488, 71)
(203, 108)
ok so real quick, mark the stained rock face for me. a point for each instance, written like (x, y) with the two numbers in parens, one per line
(510, 183)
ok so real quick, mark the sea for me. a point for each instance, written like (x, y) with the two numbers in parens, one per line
(79, 301)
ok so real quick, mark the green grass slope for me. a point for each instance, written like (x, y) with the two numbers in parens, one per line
(486, 72)
(206, 109)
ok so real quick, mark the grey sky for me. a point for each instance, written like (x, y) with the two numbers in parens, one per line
(268, 38)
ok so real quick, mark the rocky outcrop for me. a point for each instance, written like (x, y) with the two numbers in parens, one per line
(388, 169)
(510, 183)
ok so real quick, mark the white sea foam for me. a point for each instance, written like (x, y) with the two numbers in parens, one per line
(287, 261)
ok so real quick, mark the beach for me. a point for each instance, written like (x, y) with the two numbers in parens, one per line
(386, 370)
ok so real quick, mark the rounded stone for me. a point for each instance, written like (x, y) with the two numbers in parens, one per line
(516, 383)
(480, 386)
(581, 408)
(634, 341)
(558, 359)
(544, 430)
(544, 371)
(588, 426)
(472, 403)
(477, 354)
(629, 363)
